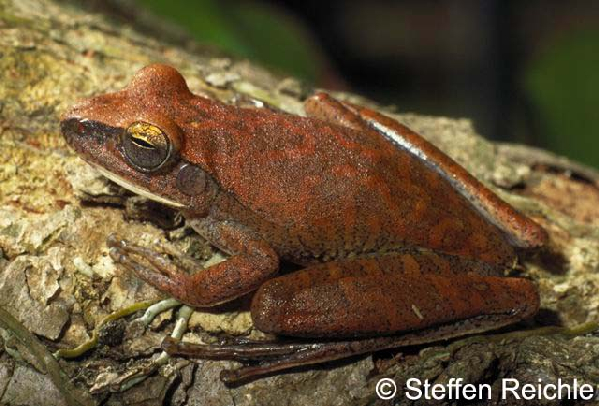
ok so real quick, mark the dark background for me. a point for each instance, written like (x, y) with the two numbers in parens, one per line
(524, 71)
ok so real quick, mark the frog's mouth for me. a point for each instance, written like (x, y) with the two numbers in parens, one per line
(134, 188)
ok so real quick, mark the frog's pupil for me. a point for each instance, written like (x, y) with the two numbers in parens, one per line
(140, 142)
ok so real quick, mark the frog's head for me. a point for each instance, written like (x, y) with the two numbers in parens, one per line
(131, 136)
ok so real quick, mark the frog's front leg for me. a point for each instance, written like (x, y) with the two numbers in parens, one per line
(252, 262)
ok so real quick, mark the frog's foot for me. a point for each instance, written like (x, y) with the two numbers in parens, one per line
(262, 359)
(252, 262)
(154, 268)
(266, 358)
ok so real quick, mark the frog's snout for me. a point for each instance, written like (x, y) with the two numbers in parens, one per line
(78, 130)
(78, 133)
(71, 128)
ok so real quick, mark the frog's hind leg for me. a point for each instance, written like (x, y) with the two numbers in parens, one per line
(519, 230)
(404, 299)
(266, 358)
(393, 293)
(275, 357)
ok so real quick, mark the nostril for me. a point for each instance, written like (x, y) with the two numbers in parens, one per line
(72, 127)
(82, 129)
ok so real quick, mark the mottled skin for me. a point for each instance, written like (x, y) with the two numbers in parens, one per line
(392, 236)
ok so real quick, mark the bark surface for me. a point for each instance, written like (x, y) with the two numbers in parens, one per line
(57, 280)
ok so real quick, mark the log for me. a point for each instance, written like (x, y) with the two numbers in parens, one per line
(57, 281)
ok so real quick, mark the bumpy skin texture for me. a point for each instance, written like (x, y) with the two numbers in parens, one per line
(390, 234)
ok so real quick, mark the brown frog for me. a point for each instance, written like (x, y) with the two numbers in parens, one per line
(400, 245)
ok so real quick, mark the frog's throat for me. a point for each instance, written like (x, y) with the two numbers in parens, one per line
(136, 189)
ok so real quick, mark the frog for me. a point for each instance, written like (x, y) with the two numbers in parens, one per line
(395, 243)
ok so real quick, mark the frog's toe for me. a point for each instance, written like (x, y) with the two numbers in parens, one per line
(154, 275)
(124, 252)
(160, 262)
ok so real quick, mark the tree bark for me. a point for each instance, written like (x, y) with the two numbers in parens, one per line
(57, 280)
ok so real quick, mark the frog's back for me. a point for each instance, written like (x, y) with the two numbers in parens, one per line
(337, 191)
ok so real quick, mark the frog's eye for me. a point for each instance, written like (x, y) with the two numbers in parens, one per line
(146, 146)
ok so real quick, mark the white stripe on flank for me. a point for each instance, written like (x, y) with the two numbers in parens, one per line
(457, 184)
(398, 139)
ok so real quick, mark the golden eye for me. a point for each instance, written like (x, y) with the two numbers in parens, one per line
(146, 146)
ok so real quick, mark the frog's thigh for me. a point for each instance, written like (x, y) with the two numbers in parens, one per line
(340, 299)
